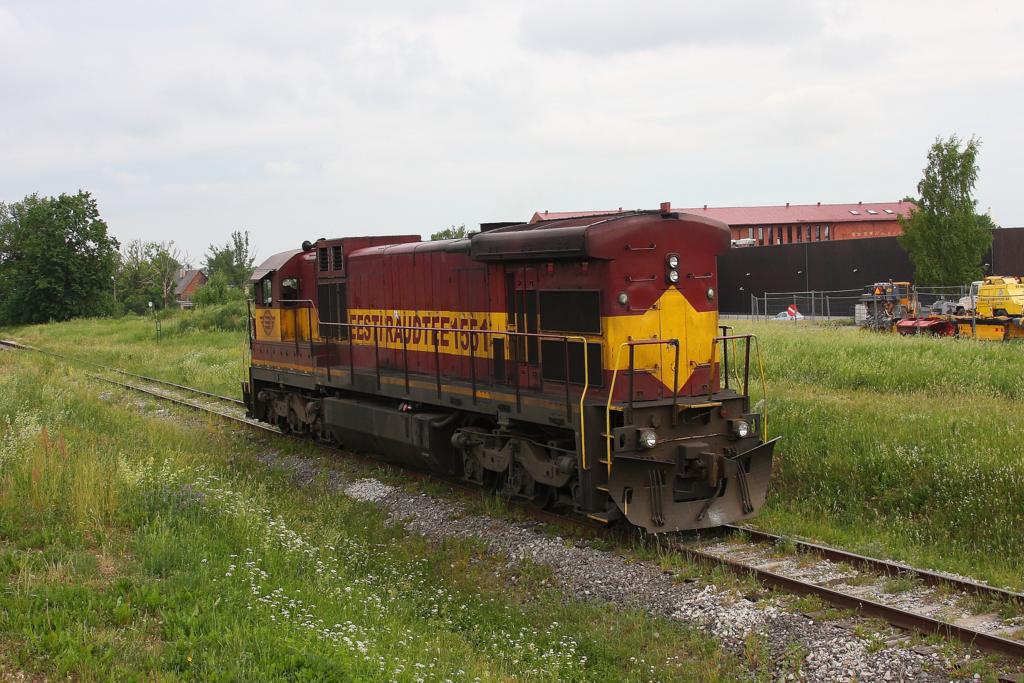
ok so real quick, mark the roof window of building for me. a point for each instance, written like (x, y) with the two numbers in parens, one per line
(888, 210)
(872, 212)
(855, 212)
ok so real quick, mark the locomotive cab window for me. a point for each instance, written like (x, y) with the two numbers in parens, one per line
(567, 310)
(289, 291)
(262, 292)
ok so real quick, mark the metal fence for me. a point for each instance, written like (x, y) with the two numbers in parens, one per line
(928, 296)
(809, 305)
(839, 305)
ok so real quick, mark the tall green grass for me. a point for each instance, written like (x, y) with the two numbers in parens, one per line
(900, 446)
(135, 547)
(909, 447)
(205, 347)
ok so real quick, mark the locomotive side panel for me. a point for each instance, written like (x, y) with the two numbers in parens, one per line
(418, 308)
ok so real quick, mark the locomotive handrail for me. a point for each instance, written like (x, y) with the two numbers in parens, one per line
(611, 389)
(746, 370)
(435, 332)
(725, 353)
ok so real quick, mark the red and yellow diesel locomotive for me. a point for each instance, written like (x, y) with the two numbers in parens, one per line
(577, 362)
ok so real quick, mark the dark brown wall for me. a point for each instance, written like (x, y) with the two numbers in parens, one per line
(1007, 254)
(841, 264)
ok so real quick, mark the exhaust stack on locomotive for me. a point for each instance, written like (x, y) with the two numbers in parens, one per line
(575, 362)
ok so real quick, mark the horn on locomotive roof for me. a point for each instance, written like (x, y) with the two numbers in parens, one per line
(306, 245)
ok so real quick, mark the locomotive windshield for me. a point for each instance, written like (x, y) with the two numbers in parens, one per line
(262, 292)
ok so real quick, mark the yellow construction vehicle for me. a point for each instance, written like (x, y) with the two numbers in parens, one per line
(994, 310)
(995, 296)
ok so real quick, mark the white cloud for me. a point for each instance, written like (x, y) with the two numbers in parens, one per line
(281, 168)
(608, 26)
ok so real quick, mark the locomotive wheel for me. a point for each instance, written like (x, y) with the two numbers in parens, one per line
(284, 425)
(544, 496)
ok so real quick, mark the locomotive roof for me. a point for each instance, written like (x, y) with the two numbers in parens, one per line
(458, 245)
(569, 237)
(553, 239)
(272, 263)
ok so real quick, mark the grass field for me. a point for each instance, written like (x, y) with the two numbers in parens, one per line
(906, 447)
(204, 348)
(137, 547)
(909, 447)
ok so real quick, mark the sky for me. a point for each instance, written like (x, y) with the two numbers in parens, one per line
(302, 119)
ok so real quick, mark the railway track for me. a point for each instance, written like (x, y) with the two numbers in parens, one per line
(884, 567)
(850, 581)
(723, 554)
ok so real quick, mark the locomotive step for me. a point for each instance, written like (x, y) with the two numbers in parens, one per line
(697, 406)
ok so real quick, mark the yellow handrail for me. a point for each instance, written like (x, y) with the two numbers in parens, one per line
(586, 385)
(764, 389)
(608, 407)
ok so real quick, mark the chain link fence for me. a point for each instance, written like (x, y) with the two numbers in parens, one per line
(844, 305)
(811, 305)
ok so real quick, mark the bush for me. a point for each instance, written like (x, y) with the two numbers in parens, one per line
(217, 291)
(228, 317)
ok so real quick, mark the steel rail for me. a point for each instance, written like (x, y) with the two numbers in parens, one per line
(895, 616)
(892, 615)
(886, 567)
(195, 406)
(155, 380)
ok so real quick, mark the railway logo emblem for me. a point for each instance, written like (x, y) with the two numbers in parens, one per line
(268, 322)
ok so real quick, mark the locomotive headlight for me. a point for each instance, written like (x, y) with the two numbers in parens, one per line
(648, 438)
(673, 276)
(623, 298)
(673, 261)
(711, 293)
(741, 428)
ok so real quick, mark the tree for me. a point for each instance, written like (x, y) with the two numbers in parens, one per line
(944, 236)
(451, 233)
(56, 259)
(166, 264)
(147, 271)
(233, 259)
(135, 284)
(217, 291)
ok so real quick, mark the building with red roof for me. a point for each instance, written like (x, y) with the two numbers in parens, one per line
(186, 282)
(791, 223)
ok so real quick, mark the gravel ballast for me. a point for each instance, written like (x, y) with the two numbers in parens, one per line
(833, 653)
